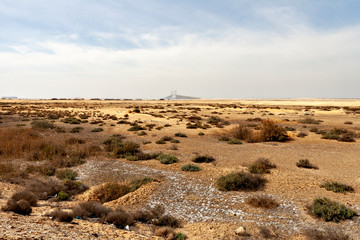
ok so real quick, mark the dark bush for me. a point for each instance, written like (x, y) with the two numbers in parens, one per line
(262, 201)
(190, 168)
(167, 220)
(62, 216)
(261, 166)
(348, 122)
(305, 163)
(302, 134)
(91, 209)
(20, 207)
(346, 138)
(97, 130)
(240, 181)
(203, 159)
(179, 134)
(161, 141)
(119, 218)
(337, 187)
(331, 211)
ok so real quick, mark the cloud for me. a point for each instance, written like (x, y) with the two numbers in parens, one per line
(233, 63)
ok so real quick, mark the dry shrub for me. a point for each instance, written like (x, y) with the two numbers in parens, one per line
(17, 141)
(21, 207)
(241, 131)
(203, 159)
(10, 172)
(147, 215)
(62, 216)
(25, 195)
(167, 220)
(262, 201)
(305, 163)
(74, 187)
(119, 218)
(111, 191)
(272, 132)
(91, 209)
(74, 140)
(165, 232)
(66, 174)
(43, 190)
(326, 234)
(337, 187)
(269, 232)
(261, 166)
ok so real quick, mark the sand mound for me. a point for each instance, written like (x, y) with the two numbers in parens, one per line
(136, 198)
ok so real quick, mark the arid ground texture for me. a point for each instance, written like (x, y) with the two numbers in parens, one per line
(194, 169)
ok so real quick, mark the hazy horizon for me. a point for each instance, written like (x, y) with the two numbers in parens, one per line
(212, 50)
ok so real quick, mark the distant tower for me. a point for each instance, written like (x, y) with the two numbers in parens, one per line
(173, 94)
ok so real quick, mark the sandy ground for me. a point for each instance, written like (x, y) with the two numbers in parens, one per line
(193, 197)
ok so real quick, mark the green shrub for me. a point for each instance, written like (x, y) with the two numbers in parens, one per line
(190, 168)
(179, 134)
(167, 159)
(330, 210)
(305, 163)
(240, 181)
(71, 120)
(203, 159)
(174, 141)
(64, 174)
(97, 130)
(137, 183)
(234, 141)
(261, 166)
(62, 196)
(309, 120)
(136, 128)
(180, 236)
(337, 187)
(224, 138)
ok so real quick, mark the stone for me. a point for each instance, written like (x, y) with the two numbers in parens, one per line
(240, 231)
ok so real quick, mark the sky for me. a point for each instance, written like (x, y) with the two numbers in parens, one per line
(209, 49)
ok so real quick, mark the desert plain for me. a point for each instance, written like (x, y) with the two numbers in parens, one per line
(43, 140)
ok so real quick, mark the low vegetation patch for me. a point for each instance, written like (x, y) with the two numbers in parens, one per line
(240, 181)
(330, 210)
(326, 234)
(261, 166)
(309, 120)
(305, 163)
(203, 159)
(262, 201)
(337, 187)
(190, 168)
(63, 174)
(167, 159)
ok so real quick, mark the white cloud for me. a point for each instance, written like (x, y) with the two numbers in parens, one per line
(231, 63)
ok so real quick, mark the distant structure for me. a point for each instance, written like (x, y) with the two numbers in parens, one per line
(8, 97)
(175, 96)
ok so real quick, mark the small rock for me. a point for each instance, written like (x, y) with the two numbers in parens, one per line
(240, 231)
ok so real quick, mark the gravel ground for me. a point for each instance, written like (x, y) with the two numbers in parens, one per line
(195, 200)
